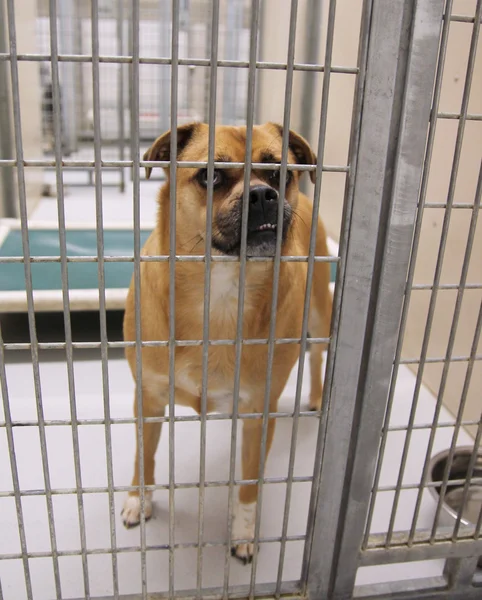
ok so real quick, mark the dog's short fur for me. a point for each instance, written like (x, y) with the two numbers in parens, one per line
(230, 146)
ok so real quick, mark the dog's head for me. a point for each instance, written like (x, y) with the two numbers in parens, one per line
(228, 186)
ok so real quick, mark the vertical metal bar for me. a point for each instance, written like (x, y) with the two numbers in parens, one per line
(101, 277)
(420, 33)
(372, 261)
(253, 52)
(207, 284)
(478, 436)
(309, 280)
(68, 96)
(313, 16)
(438, 272)
(130, 52)
(14, 469)
(164, 50)
(172, 278)
(260, 55)
(239, 28)
(276, 274)
(137, 281)
(120, 90)
(478, 526)
(79, 93)
(29, 288)
(209, 34)
(443, 381)
(230, 76)
(340, 275)
(57, 125)
(460, 571)
(7, 196)
(411, 271)
(187, 20)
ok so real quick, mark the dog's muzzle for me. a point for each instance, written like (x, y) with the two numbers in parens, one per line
(264, 204)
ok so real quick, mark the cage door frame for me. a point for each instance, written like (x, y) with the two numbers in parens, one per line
(401, 41)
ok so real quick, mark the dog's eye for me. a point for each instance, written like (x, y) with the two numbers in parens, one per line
(275, 176)
(218, 176)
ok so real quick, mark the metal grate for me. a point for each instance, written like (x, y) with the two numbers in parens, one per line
(135, 62)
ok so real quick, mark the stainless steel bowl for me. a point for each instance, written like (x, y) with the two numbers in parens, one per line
(454, 493)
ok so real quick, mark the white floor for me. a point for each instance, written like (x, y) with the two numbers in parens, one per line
(88, 382)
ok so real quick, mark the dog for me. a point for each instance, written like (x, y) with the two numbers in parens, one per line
(264, 203)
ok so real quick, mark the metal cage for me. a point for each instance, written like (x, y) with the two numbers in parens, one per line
(399, 73)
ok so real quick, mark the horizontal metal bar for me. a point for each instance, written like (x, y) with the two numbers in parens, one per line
(462, 18)
(425, 588)
(187, 62)
(312, 414)
(469, 117)
(422, 536)
(214, 484)
(469, 423)
(154, 487)
(429, 484)
(247, 342)
(289, 589)
(162, 258)
(443, 547)
(438, 359)
(447, 286)
(159, 343)
(184, 164)
(444, 205)
(179, 419)
(216, 417)
(154, 547)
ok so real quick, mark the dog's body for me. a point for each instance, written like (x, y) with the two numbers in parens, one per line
(189, 294)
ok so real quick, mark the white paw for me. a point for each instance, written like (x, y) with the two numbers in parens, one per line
(243, 529)
(131, 513)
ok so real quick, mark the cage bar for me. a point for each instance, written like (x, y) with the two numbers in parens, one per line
(137, 284)
(57, 124)
(463, 398)
(14, 472)
(172, 279)
(253, 50)
(276, 274)
(214, 39)
(438, 267)
(101, 279)
(386, 178)
(310, 272)
(22, 195)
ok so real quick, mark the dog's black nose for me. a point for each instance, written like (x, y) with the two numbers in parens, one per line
(262, 194)
(263, 206)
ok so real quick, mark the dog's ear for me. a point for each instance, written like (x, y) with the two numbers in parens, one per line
(300, 148)
(161, 148)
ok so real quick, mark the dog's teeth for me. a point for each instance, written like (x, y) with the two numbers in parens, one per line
(266, 226)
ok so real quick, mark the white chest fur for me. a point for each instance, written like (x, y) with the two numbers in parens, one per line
(224, 290)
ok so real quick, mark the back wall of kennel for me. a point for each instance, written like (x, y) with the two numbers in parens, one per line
(398, 78)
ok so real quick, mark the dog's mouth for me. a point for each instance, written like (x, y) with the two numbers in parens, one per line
(261, 240)
(261, 236)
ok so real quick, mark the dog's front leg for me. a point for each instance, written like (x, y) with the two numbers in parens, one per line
(245, 511)
(151, 407)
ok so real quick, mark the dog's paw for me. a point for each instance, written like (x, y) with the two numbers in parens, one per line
(315, 403)
(131, 513)
(243, 552)
(243, 529)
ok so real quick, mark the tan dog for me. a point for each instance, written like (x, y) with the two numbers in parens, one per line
(190, 239)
